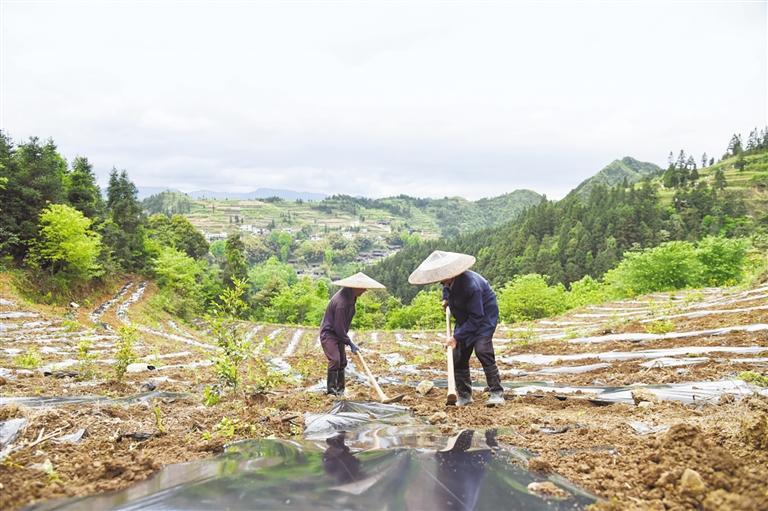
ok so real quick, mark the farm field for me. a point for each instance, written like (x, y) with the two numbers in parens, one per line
(641, 403)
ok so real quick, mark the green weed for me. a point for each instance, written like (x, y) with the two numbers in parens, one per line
(660, 327)
(29, 360)
(754, 378)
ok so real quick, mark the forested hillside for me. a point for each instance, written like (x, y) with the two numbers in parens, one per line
(588, 234)
(626, 171)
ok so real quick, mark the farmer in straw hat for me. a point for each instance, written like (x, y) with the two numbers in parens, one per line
(473, 304)
(335, 327)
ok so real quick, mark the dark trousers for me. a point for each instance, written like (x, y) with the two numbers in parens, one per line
(483, 348)
(335, 353)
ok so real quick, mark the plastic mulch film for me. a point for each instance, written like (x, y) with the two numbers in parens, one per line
(288, 475)
(350, 415)
(54, 401)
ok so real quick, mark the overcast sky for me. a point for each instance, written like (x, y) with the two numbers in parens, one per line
(381, 98)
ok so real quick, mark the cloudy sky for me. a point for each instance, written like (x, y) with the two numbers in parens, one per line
(380, 98)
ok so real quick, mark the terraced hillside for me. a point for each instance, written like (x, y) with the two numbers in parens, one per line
(639, 402)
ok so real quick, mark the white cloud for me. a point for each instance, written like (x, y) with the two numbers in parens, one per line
(380, 98)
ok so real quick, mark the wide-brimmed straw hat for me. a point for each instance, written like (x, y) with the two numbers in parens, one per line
(359, 281)
(441, 266)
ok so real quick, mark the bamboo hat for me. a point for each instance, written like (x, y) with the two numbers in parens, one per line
(440, 266)
(359, 281)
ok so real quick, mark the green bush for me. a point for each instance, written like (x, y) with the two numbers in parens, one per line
(674, 265)
(303, 303)
(722, 260)
(373, 308)
(585, 292)
(424, 311)
(669, 266)
(530, 297)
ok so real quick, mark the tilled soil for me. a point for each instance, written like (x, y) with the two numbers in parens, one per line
(710, 456)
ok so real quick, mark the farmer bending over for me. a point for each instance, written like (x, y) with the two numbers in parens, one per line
(335, 327)
(473, 304)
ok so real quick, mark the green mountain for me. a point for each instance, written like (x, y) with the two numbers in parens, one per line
(626, 170)
(587, 232)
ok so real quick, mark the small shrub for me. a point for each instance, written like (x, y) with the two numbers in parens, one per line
(586, 291)
(261, 377)
(660, 327)
(125, 354)
(529, 297)
(86, 361)
(234, 348)
(30, 359)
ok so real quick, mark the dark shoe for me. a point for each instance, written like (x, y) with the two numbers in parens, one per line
(331, 382)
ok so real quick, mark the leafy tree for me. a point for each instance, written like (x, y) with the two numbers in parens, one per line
(178, 276)
(303, 303)
(235, 265)
(83, 193)
(704, 160)
(66, 247)
(259, 275)
(168, 203)
(217, 249)
(282, 242)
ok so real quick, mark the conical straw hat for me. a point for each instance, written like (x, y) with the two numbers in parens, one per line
(359, 281)
(440, 266)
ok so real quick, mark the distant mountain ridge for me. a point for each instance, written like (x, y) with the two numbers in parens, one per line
(259, 193)
(616, 172)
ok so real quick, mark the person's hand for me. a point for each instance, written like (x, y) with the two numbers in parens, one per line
(353, 347)
(451, 343)
(445, 304)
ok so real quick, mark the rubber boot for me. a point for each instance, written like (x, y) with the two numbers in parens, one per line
(330, 385)
(463, 387)
(340, 382)
(494, 386)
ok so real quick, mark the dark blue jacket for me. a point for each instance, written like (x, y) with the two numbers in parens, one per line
(473, 304)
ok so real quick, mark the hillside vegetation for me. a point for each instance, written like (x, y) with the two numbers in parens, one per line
(588, 235)
(626, 171)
